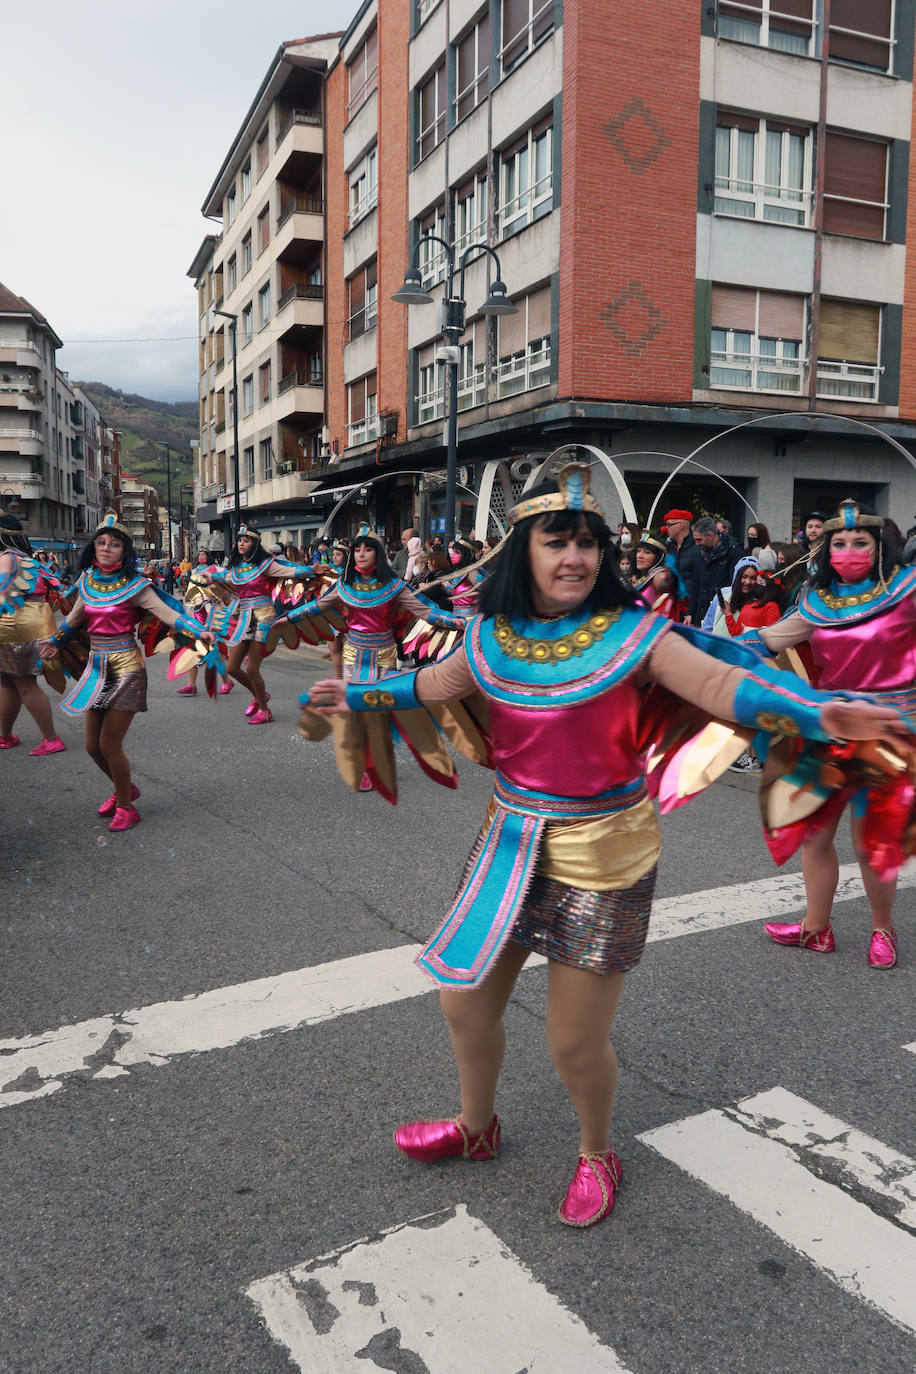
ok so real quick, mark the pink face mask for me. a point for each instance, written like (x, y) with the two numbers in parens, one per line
(454, 557)
(853, 565)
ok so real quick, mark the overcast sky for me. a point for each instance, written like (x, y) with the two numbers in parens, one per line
(118, 115)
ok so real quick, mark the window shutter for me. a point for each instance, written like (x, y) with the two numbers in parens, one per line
(426, 355)
(357, 395)
(372, 52)
(728, 119)
(781, 316)
(512, 332)
(515, 18)
(869, 17)
(372, 274)
(855, 168)
(539, 313)
(734, 307)
(849, 332)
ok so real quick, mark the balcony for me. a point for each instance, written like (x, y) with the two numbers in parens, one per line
(363, 431)
(300, 144)
(299, 228)
(21, 352)
(300, 393)
(28, 442)
(848, 381)
(757, 372)
(26, 485)
(302, 306)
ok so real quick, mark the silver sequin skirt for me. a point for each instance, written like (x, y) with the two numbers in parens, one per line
(20, 660)
(602, 932)
(123, 692)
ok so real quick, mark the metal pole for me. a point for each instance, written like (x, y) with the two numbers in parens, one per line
(451, 467)
(169, 580)
(236, 521)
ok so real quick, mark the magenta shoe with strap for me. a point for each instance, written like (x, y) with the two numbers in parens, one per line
(794, 933)
(261, 717)
(253, 706)
(431, 1140)
(882, 952)
(110, 804)
(593, 1191)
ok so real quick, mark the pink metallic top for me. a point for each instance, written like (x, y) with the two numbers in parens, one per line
(874, 655)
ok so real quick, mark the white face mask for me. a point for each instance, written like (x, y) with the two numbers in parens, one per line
(626, 540)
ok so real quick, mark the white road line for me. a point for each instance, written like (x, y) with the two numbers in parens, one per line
(36, 1066)
(440, 1293)
(765, 1157)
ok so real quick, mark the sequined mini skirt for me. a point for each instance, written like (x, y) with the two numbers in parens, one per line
(20, 660)
(602, 932)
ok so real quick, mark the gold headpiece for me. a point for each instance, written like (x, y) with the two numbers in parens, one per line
(248, 532)
(573, 481)
(649, 541)
(110, 524)
(851, 518)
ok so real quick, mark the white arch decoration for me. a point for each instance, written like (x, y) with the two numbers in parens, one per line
(662, 453)
(616, 476)
(370, 482)
(495, 467)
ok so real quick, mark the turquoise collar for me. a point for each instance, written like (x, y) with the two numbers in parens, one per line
(369, 593)
(108, 589)
(850, 603)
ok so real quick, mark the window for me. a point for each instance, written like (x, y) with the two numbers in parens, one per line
(756, 341)
(786, 25)
(431, 257)
(763, 169)
(526, 180)
(525, 24)
(362, 74)
(264, 304)
(848, 350)
(471, 213)
(363, 301)
(363, 187)
(230, 207)
(267, 458)
(431, 113)
(264, 383)
(249, 465)
(262, 154)
(430, 396)
(232, 274)
(246, 253)
(860, 31)
(425, 7)
(263, 230)
(248, 394)
(362, 409)
(246, 181)
(247, 323)
(472, 67)
(855, 186)
(472, 369)
(524, 345)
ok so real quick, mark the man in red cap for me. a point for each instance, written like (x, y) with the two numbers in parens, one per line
(676, 525)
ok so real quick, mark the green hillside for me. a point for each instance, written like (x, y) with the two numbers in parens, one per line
(146, 426)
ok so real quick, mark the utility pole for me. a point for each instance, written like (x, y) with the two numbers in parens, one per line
(169, 580)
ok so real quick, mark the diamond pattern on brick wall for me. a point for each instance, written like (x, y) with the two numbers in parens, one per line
(633, 318)
(637, 135)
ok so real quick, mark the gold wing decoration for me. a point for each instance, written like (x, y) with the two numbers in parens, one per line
(364, 740)
(312, 630)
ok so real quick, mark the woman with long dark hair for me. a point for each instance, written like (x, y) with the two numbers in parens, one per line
(26, 618)
(565, 862)
(111, 600)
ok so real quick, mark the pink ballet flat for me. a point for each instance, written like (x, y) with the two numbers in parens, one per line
(794, 933)
(226, 687)
(430, 1140)
(8, 741)
(593, 1191)
(253, 705)
(110, 804)
(882, 952)
(261, 717)
(186, 691)
(48, 746)
(125, 818)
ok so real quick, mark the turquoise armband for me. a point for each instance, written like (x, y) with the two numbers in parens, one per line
(781, 704)
(395, 693)
(189, 626)
(297, 612)
(63, 635)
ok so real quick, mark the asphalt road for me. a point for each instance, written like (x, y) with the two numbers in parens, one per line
(137, 1208)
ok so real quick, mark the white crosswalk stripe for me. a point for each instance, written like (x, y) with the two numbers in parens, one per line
(768, 1156)
(437, 1294)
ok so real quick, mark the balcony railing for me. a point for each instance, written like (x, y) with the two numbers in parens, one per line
(762, 201)
(361, 431)
(312, 117)
(301, 291)
(525, 371)
(219, 426)
(299, 378)
(850, 381)
(304, 205)
(756, 372)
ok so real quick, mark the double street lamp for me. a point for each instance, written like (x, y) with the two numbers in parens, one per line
(454, 307)
(234, 522)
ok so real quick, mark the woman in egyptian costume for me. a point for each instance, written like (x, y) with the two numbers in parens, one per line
(565, 862)
(27, 591)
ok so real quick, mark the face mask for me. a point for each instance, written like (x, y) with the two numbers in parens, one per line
(454, 557)
(853, 565)
(626, 540)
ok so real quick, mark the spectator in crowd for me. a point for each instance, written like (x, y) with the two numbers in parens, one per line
(681, 545)
(758, 538)
(813, 530)
(398, 561)
(726, 532)
(716, 566)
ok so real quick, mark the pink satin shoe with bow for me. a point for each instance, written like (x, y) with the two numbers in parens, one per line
(430, 1140)
(794, 933)
(882, 952)
(593, 1191)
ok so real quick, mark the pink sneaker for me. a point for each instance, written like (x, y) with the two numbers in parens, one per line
(226, 687)
(8, 741)
(110, 804)
(882, 952)
(261, 717)
(49, 746)
(593, 1191)
(794, 933)
(125, 818)
(186, 691)
(253, 705)
(430, 1140)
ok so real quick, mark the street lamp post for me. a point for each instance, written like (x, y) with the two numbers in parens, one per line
(169, 580)
(234, 522)
(497, 303)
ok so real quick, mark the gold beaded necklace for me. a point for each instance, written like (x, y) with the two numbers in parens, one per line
(529, 650)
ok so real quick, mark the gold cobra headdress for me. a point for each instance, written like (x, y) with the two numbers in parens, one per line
(851, 518)
(110, 524)
(573, 482)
